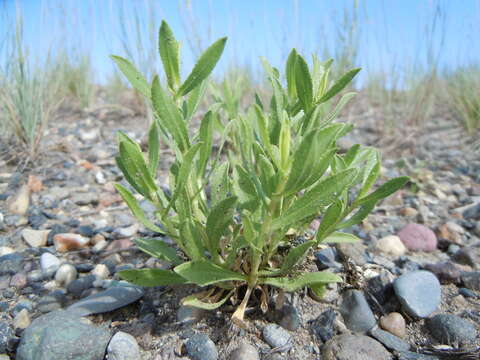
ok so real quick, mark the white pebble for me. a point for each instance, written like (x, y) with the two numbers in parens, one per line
(66, 274)
(49, 262)
(101, 271)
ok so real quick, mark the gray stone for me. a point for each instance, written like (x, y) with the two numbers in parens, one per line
(61, 335)
(358, 347)
(389, 340)
(326, 258)
(408, 355)
(419, 293)
(245, 352)
(11, 264)
(471, 280)
(7, 337)
(324, 325)
(356, 312)
(111, 299)
(123, 346)
(355, 251)
(200, 347)
(277, 337)
(290, 318)
(451, 329)
(78, 286)
(49, 262)
(53, 301)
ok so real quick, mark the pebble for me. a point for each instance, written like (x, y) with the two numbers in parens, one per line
(52, 301)
(419, 293)
(417, 237)
(471, 280)
(381, 286)
(189, 314)
(324, 326)
(85, 198)
(68, 242)
(65, 274)
(326, 258)
(19, 280)
(62, 335)
(451, 329)
(126, 232)
(35, 238)
(22, 319)
(389, 340)
(10, 264)
(472, 213)
(49, 262)
(19, 203)
(392, 245)
(200, 347)
(467, 256)
(123, 346)
(79, 285)
(111, 299)
(5, 250)
(101, 271)
(7, 337)
(276, 336)
(356, 312)
(446, 272)
(394, 323)
(358, 347)
(245, 352)
(37, 275)
(467, 293)
(290, 318)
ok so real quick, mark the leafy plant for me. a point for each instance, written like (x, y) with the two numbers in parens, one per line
(232, 213)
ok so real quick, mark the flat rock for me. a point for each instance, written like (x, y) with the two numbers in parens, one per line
(451, 329)
(19, 203)
(355, 251)
(419, 293)
(417, 237)
(324, 326)
(10, 264)
(276, 336)
(391, 245)
(471, 280)
(35, 238)
(389, 340)
(62, 335)
(244, 352)
(358, 347)
(49, 262)
(69, 241)
(111, 299)
(356, 312)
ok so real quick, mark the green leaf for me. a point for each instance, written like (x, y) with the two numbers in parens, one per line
(245, 189)
(206, 137)
(295, 255)
(220, 185)
(340, 237)
(192, 300)
(151, 277)
(153, 148)
(169, 115)
(385, 190)
(305, 279)
(290, 73)
(206, 273)
(193, 239)
(320, 195)
(136, 209)
(133, 75)
(170, 54)
(340, 105)
(358, 217)
(330, 219)
(194, 99)
(303, 83)
(158, 249)
(203, 67)
(218, 221)
(339, 85)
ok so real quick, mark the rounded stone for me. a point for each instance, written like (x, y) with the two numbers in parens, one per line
(394, 323)
(244, 352)
(200, 347)
(290, 318)
(419, 292)
(123, 346)
(49, 262)
(22, 319)
(65, 274)
(348, 347)
(189, 314)
(356, 312)
(276, 336)
(101, 271)
(418, 237)
(392, 245)
(451, 329)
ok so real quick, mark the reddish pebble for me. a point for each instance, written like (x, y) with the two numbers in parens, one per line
(418, 237)
(68, 242)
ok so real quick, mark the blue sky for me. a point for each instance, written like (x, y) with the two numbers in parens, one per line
(391, 33)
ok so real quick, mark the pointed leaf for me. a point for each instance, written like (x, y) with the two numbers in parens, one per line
(206, 273)
(306, 279)
(218, 221)
(290, 73)
(153, 148)
(295, 255)
(340, 237)
(133, 75)
(220, 183)
(170, 54)
(158, 249)
(386, 189)
(203, 67)
(303, 83)
(339, 85)
(192, 300)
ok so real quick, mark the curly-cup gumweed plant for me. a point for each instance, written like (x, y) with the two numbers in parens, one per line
(232, 208)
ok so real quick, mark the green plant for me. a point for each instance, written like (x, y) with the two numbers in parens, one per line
(232, 213)
(463, 95)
